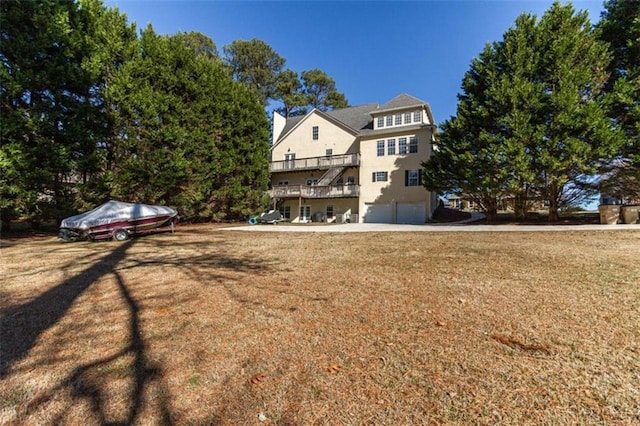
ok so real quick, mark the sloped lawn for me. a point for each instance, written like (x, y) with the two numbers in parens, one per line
(223, 327)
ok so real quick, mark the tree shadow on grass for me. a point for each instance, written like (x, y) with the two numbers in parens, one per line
(90, 384)
(87, 383)
(21, 325)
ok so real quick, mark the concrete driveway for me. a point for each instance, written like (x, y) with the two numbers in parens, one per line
(456, 227)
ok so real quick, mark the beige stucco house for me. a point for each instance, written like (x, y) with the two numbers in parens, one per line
(357, 164)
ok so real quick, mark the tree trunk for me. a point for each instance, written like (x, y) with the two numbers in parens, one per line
(492, 215)
(5, 216)
(553, 203)
(520, 206)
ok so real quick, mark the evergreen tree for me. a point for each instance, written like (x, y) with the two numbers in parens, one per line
(577, 133)
(46, 100)
(620, 27)
(191, 137)
(320, 91)
(468, 159)
(289, 91)
(256, 64)
(532, 117)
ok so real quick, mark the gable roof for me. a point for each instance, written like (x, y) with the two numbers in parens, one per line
(353, 118)
(358, 119)
(290, 124)
(400, 102)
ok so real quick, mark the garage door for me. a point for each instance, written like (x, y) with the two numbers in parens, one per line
(413, 213)
(377, 213)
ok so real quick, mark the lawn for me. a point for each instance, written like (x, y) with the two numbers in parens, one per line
(209, 327)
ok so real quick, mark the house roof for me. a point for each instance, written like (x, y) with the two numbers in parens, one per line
(290, 124)
(359, 118)
(401, 102)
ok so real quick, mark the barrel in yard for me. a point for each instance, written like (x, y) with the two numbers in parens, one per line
(630, 214)
(609, 214)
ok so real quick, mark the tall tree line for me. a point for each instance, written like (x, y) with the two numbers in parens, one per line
(94, 109)
(542, 111)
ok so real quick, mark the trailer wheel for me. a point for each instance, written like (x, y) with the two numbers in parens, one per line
(120, 235)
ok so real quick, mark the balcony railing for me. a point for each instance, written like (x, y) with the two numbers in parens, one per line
(305, 191)
(315, 163)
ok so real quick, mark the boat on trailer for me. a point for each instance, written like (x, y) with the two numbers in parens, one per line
(117, 220)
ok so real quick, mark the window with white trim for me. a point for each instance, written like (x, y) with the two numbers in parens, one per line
(412, 178)
(407, 118)
(391, 147)
(380, 176)
(402, 146)
(417, 116)
(398, 119)
(380, 148)
(389, 120)
(380, 122)
(413, 144)
(315, 133)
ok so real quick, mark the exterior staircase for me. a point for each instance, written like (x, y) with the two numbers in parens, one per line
(330, 175)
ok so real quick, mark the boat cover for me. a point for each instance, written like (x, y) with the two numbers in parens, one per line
(271, 216)
(115, 211)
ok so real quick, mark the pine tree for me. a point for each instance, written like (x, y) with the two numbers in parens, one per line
(531, 120)
(620, 27)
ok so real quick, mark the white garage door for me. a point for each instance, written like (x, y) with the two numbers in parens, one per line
(413, 213)
(377, 213)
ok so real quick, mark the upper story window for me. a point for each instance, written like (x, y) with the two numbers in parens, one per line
(402, 146)
(314, 133)
(417, 116)
(407, 118)
(351, 180)
(413, 144)
(380, 122)
(389, 120)
(380, 176)
(391, 147)
(380, 148)
(398, 119)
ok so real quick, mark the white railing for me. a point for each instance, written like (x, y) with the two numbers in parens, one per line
(344, 160)
(313, 191)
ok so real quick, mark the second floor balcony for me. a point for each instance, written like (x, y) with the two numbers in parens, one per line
(315, 163)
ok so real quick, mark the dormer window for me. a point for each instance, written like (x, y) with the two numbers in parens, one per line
(389, 120)
(398, 119)
(380, 122)
(417, 116)
(407, 118)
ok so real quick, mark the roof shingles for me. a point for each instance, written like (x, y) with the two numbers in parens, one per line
(359, 118)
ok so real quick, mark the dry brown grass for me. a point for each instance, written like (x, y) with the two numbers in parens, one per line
(217, 327)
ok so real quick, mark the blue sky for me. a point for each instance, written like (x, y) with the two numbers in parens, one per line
(374, 50)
